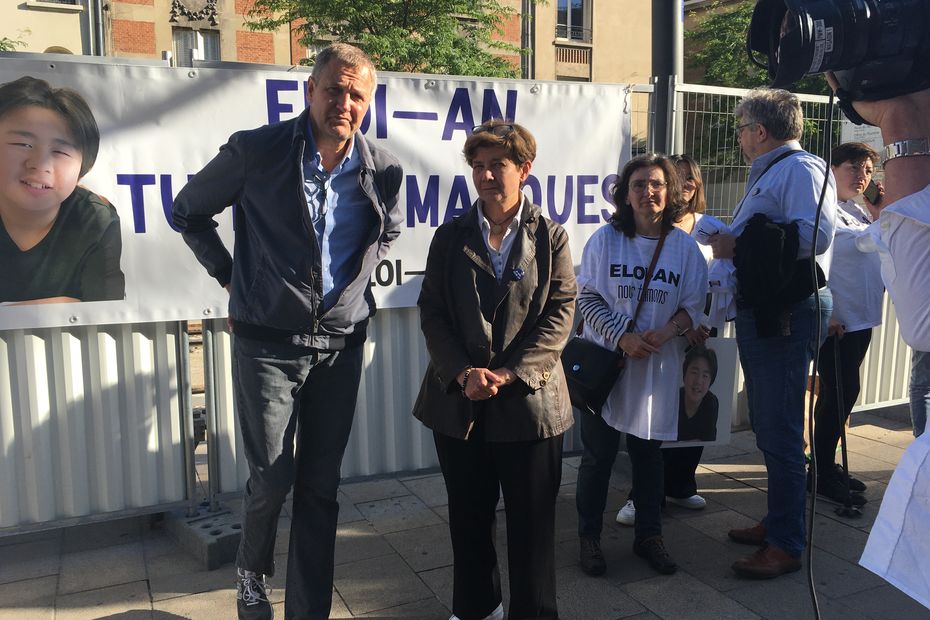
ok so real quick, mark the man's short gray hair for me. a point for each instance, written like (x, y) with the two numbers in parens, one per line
(345, 54)
(777, 110)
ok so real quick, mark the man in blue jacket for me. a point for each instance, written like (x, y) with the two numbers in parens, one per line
(316, 210)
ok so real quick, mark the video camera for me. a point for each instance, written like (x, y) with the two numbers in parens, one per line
(877, 49)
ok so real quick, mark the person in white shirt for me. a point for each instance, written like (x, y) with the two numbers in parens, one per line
(785, 185)
(856, 284)
(613, 281)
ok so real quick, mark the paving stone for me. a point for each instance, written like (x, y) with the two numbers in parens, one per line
(840, 540)
(397, 514)
(439, 581)
(338, 610)
(427, 608)
(214, 604)
(839, 578)
(383, 488)
(31, 598)
(359, 541)
(128, 600)
(790, 598)
(569, 473)
(29, 560)
(347, 510)
(745, 500)
(424, 548)
(581, 596)
(19, 539)
(378, 583)
(705, 558)
(716, 524)
(870, 469)
(110, 566)
(430, 489)
(103, 534)
(682, 596)
(886, 601)
(178, 574)
(891, 454)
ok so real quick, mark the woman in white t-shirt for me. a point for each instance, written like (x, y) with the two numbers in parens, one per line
(856, 284)
(644, 402)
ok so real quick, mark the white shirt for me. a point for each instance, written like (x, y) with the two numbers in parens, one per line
(855, 277)
(789, 192)
(499, 257)
(901, 236)
(644, 402)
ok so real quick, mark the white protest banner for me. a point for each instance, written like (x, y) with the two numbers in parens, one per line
(160, 125)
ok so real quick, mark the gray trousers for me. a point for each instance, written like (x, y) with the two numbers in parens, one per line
(295, 408)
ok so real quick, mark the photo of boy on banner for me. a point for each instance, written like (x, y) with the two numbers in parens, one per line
(59, 242)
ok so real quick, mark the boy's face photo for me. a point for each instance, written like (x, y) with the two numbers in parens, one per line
(697, 380)
(40, 162)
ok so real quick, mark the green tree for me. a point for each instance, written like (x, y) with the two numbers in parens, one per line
(9, 45)
(719, 48)
(456, 37)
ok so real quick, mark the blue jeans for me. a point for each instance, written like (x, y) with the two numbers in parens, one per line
(776, 371)
(920, 390)
(289, 396)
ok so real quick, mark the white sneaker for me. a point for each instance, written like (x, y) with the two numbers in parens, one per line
(627, 514)
(695, 502)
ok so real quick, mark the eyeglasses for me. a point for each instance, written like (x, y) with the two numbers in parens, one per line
(640, 186)
(497, 130)
(740, 128)
(863, 167)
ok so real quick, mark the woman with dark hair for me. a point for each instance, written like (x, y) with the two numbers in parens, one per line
(855, 281)
(496, 309)
(643, 284)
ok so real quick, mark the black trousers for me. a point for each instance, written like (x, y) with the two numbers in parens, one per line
(680, 465)
(529, 474)
(828, 419)
(600, 443)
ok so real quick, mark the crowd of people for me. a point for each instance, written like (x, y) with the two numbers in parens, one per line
(317, 208)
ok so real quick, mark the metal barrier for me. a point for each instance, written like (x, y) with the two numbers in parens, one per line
(92, 423)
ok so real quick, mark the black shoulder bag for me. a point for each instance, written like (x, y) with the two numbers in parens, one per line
(591, 370)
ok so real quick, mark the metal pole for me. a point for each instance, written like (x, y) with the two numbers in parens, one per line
(187, 419)
(667, 63)
(209, 389)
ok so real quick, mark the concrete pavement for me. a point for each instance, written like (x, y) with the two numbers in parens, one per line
(393, 556)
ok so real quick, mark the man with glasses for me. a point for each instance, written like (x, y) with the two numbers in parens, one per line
(776, 337)
(316, 210)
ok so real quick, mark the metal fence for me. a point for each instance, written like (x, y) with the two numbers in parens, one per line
(95, 421)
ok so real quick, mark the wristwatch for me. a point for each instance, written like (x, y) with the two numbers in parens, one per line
(906, 148)
(681, 332)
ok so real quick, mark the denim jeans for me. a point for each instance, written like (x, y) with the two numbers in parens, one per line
(600, 443)
(920, 390)
(776, 370)
(287, 395)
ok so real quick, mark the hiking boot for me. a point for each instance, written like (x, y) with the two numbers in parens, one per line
(627, 514)
(653, 550)
(252, 596)
(591, 557)
(695, 502)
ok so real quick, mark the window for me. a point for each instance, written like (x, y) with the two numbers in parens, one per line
(573, 20)
(187, 42)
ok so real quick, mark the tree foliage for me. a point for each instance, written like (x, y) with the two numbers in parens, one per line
(457, 37)
(9, 45)
(719, 47)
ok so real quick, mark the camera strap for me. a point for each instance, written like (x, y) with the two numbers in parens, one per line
(788, 153)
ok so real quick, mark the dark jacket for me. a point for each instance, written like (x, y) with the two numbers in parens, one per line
(276, 277)
(521, 323)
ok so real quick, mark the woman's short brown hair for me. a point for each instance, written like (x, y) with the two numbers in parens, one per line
(854, 152)
(515, 139)
(622, 218)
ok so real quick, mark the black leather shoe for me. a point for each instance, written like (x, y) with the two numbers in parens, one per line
(653, 550)
(591, 557)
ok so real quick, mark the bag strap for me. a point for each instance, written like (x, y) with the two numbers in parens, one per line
(649, 272)
(652, 268)
(782, 156)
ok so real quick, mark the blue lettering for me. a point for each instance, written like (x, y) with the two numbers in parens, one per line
(532, 183)
(554, 214)
(136, 182)
(419, 210)
(275, 107)
(492, 108)
(606, 191)
(167, 198)
(459, 106)
(584, 198)
(459, 198)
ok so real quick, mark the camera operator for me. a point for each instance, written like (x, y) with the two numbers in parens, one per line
(902, 237)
